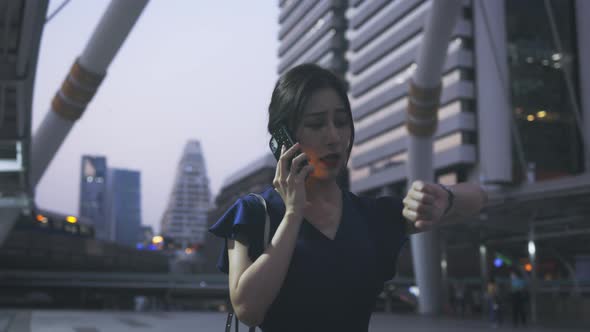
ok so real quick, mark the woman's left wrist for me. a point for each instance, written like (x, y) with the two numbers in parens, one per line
(450, 199)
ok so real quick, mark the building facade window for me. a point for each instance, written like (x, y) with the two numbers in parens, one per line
(543, 111)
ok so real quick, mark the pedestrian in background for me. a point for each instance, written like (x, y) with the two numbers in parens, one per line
(518, 297)
(494, 303)
(460, 304)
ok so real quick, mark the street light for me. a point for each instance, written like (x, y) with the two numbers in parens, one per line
(532, 248)
(42, 219)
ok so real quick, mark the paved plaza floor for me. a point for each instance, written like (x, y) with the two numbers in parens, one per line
(104, 321)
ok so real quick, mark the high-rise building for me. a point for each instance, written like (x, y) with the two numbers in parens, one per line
(312, 31)
(508, 114)
(93, 194)
(111, 199)
(124, 205)
(185, 219)
(252, 178)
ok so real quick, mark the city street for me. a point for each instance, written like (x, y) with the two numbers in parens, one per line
(396, 156)
(94, 321)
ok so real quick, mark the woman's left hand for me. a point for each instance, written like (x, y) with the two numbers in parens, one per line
(425, 204)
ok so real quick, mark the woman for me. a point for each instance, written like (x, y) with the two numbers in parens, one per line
(330, 251)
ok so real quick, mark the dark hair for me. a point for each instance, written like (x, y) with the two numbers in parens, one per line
(293, 91)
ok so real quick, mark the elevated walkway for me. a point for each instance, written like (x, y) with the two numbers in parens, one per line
(23, 23)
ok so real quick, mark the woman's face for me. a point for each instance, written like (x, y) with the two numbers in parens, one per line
(324, 133)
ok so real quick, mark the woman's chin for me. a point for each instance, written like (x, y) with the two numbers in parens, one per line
(324, 175)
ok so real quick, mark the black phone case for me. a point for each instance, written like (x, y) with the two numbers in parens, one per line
(279, 138)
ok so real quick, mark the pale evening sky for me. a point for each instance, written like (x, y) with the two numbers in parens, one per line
(188, 70)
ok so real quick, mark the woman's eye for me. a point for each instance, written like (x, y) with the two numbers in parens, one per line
(341, 122)
(314, 125)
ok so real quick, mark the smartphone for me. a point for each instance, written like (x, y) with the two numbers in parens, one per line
(280, 137)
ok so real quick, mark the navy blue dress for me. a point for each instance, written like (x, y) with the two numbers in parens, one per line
(331, 285)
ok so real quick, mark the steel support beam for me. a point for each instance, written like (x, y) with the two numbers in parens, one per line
(82, 82)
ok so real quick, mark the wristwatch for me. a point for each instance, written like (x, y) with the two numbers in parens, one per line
(450, 198)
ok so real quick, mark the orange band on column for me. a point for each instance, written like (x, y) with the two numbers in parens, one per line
(421, 112)
(425, 94)
(421, 127)
(85, 77)
(76, 92)
(65, 109)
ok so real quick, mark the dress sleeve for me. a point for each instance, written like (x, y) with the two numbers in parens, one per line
(246, 217)
(391, 232)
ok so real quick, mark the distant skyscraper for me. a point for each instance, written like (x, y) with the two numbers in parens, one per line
(185, 219)
(124, 205)
(92, 203)
(146, 234)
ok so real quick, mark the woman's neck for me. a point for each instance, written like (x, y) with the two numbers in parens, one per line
(321, 189)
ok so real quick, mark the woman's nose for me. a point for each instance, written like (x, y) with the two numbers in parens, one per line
(332, 135)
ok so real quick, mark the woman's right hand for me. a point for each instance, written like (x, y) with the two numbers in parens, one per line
(290, 178)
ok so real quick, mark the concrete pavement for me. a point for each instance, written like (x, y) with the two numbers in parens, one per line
(103, 321)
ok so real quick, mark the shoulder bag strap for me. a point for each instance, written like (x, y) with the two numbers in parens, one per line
(266, 221)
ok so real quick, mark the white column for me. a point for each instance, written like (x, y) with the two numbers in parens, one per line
(82, 82)
(110, 34)
(533, 286)
(421, 123)
(45, 143)
(483, 268)
(444, 259)
(494, 115)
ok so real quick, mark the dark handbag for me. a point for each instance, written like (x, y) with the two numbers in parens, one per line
(230, 315)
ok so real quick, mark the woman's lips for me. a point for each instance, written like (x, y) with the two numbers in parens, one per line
(330, 161)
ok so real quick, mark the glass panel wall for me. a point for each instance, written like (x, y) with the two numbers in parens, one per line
(543, 109)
